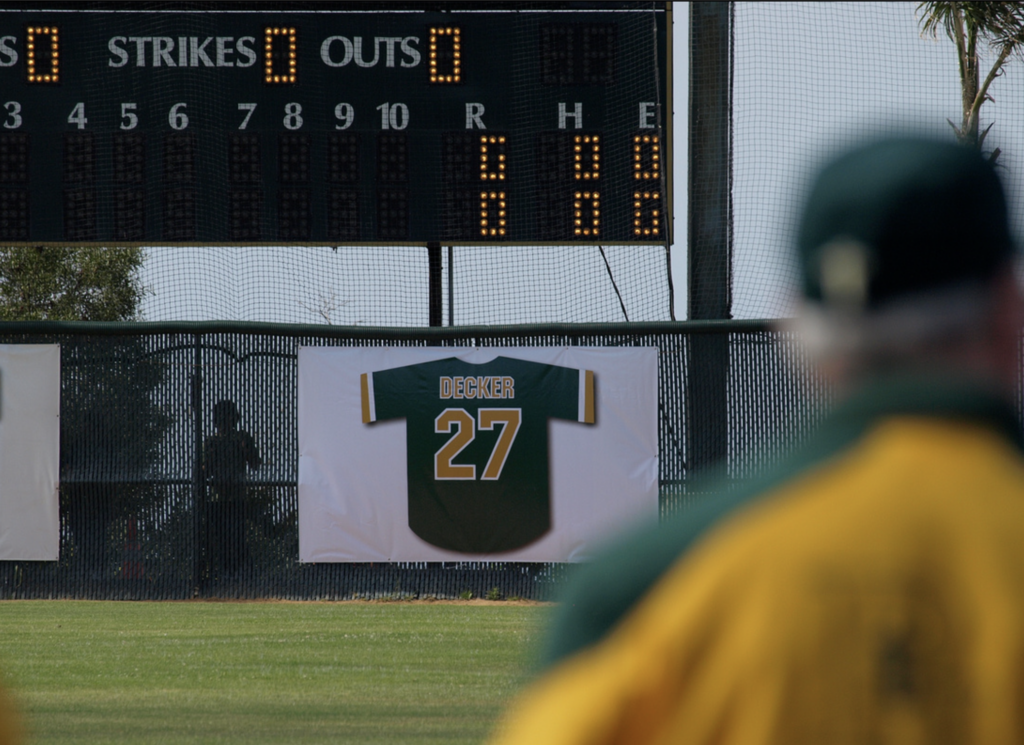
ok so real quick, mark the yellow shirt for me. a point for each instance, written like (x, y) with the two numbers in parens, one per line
(10, 722)
(878, 597)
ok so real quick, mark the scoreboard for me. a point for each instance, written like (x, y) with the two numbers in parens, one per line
(474, 125)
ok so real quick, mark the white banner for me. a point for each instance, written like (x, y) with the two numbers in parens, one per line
(456, 454)
(29, 451)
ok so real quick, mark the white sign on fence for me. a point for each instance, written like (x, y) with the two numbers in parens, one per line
(29, 452)
(456, 454)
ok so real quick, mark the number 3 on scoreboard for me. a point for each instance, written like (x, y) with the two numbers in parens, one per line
(465, 426)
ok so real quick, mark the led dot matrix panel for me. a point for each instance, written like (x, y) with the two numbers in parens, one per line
(529, 123)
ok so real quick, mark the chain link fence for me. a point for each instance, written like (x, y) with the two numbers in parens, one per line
(138, 519)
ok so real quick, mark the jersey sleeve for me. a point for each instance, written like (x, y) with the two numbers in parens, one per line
(562, 392)
(366, 398)
(387, 394)
(587, 406)
(373, 386)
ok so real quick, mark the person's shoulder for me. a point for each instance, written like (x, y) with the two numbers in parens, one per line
(606, 589)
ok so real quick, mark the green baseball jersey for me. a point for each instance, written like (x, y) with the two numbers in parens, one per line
(477, 445)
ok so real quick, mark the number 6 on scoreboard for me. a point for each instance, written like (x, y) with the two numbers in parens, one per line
(177, 118)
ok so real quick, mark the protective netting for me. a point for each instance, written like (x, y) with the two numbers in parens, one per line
(139, 520)
(388, 286)
(810, 80)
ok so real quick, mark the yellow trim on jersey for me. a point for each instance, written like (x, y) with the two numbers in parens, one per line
(877, 598)
(510, 419)
(364, 390)
(588, 407)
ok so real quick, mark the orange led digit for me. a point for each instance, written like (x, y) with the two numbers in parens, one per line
(587, 157)
(280, 66)
(647, 214)
(586, 214)
(647, 203)
(646, 157)
(492, 157)
(445, 54)
(42, 47)
(493, 214)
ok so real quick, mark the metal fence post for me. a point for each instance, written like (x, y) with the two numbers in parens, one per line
(434, 268)
(451, 286)
(710, 227)
(198, 490)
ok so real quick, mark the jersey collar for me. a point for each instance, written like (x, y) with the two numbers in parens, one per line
(941, 396)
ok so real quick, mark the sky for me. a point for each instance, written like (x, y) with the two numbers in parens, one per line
(810, 79)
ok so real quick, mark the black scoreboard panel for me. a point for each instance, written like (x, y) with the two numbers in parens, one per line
(472, 126)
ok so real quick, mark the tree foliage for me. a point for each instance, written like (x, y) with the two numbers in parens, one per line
(82, 283)
(1000, 25)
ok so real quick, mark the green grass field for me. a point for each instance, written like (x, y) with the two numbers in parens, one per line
(139, 672)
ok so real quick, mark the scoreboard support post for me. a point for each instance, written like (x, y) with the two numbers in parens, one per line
(710, 225)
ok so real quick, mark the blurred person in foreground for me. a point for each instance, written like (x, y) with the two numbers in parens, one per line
(869, 588)
(11, 732)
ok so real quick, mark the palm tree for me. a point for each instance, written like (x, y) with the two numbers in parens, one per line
(1001, 26)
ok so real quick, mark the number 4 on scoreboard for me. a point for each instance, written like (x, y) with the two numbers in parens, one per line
(77, 116)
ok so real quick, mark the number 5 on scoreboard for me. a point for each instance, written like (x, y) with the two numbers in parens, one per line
(462, 421)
